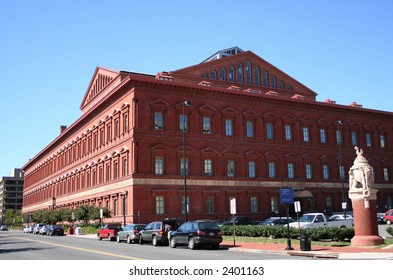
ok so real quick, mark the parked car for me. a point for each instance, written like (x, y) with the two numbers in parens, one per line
(3, 227)
(380, 218)
(276, 221)
(196, 233)
(130, 233)
(237, 220)
(44, 230)
(108, 231)
(388, 217)
(340, 217)
(26, 229)
(157, 232)
(37, 228)
(56, 230)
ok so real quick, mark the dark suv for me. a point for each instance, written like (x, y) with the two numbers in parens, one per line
(157, 232)
(197, 233)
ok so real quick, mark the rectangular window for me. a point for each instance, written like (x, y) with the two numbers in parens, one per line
(115, 207)
(342, 172)
(209, 202)
(228, 127)
(230, 168)
(272, 170)
(160, 205)
(306, 134)
(187, 206)
(115, 170)
(322, 135)
(254, 204)
(288, 132)
(125, 123)
(329, 203)
(207, 125)
(183, 123)
(308, 171)
(389, 202)
(108, 132)
(385, 174)
(251, 169)
(325, 172)
(382, 141)
(368, 140)
(102, 136)
(291, 170)
(250, 129)
(117, 128)
(339, 137)
(184, 166)
(269, 131)
(108, 172)
(125, 167)
(208, 167)
(101, 174)
(274, 204)
(159, 165)
(354, 138)
(158, 121)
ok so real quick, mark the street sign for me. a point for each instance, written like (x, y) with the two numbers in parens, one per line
(286, 196)
(233, 206)
(297, 206)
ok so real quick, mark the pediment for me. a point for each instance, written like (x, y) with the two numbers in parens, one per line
(219, 72)
(102, 81)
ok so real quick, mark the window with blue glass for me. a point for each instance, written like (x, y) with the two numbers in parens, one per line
(257, 76)
(265, 79)
(232, 73)
(248, 72)
(240, 73)
(223, 74)
(228, 127)
(269, 131)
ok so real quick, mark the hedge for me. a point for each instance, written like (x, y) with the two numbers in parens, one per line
(333, 233)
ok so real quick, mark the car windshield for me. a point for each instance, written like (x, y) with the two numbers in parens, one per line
(306, 218)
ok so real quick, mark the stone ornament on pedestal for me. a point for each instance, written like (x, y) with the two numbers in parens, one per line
(363, 196)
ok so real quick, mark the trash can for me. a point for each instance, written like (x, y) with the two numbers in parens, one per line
(78, 231)
(70, 230)
(305, 242)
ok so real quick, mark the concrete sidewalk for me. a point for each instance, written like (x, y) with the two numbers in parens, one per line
(321, 252)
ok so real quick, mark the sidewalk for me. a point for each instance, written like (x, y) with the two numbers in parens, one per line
(322, 252)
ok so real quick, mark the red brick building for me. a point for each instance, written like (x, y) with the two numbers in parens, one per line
(245, 128)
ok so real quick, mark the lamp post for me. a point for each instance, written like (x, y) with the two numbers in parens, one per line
(340, 142)
(185, 165)
(124, 207)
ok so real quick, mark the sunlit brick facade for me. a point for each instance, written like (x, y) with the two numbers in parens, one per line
(250, 130)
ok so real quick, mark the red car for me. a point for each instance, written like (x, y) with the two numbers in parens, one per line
(388, 217)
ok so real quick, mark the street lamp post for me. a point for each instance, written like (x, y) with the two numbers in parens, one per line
(185, 165)
(124, 207)
(340, 142)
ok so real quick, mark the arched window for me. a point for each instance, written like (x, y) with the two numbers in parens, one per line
(204, 75)
(248, 72)
(223, 74)
(231, 73)
(265, 79)
(214, 75)
(274, 82)
(257, 78)
(289, 88)
(240, 73)
(282, 85)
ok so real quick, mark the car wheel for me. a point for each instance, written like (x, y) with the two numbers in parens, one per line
(216, 246)
(99, 237)
(191, 244)
(129, 241)
(388, 222)
(154, 241)
(118, 238)
(140, 240)
(109, 237)
(173, 242)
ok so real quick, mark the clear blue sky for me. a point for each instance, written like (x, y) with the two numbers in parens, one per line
(343, 50)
